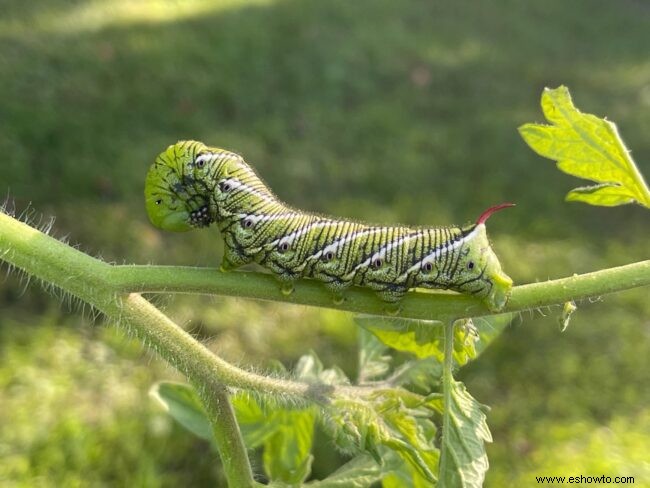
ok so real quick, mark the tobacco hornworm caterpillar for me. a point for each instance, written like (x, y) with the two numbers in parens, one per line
(191, 185)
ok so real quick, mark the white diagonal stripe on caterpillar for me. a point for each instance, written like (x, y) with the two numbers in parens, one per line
(381, 254)
(238, 185)
(289, 238)
(257, 218)
(333, 247)
(212, 156)
(430, 258)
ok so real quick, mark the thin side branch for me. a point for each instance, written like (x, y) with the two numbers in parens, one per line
(447, 380)
(208, 373)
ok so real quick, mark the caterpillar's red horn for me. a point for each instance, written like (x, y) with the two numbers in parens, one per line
(486, 215)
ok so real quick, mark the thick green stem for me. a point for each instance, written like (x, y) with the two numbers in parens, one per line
(447, 379)
(416, 305)
(227, 435)
(53, 262)
(206, 372)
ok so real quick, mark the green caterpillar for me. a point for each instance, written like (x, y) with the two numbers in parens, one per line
(191, 185)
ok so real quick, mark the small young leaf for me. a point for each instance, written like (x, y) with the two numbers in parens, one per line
(421, 338)
(465, 339)
(309, 368)
(285, 434)
(464, 462)
(389, 418)
(587, 147)
(184, 405)
(567, 312)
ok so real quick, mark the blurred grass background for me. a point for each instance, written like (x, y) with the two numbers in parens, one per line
(378, 110)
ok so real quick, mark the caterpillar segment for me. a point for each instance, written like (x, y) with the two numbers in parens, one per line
(191, 185)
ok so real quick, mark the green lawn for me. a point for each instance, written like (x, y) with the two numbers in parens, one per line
(379, 110)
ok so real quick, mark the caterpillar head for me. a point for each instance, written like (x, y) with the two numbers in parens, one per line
(180, 185)
(480, 270)
(469, 265)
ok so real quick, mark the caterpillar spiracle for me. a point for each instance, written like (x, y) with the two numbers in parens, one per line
(191, 185)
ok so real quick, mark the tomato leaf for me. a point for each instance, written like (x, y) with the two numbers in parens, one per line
(388, 420)
(588, 147)
(463, 461)
(425, 339)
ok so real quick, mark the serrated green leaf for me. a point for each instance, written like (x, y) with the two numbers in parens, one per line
(463, 460)
(470, 340)
(360, 472)
(587, 147)
(605, 195)
(425, 339)
(184, 405)
(287, 452)
(373, 362)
